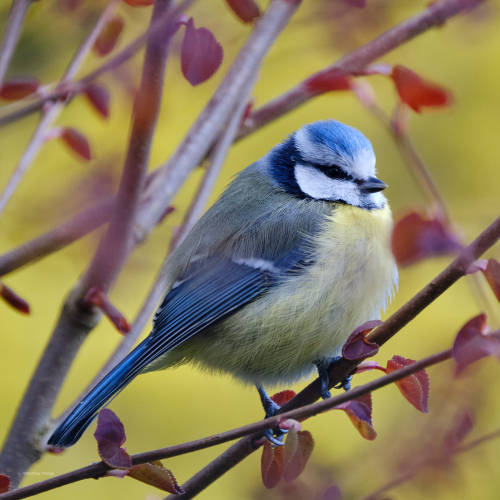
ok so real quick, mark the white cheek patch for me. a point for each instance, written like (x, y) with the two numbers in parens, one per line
(316, 184)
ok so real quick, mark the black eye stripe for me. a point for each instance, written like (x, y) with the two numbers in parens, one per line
(332, 171)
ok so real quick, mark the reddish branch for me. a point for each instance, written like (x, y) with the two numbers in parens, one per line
(57, 238)
(24, 442)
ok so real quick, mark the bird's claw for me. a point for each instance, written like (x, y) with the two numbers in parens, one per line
(345, 384)
(323, 366)
(275, 437)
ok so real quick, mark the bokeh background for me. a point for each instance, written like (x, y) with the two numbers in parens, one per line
(460, 145)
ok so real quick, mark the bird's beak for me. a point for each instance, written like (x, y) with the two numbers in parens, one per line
(372, 185)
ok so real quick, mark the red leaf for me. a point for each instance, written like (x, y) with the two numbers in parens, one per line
(414, 387)
(98, 97)
(359, 411)
(18, 88)
(246, 10)
(4, 483)
(472, 343)
(459, 430)
(109, 35)
(357, 347)
(271, 465)
(156, 474)
(280, 398)
(416, 237)
(14, 300)
(327, 81)
(77, 142)
(201, 54)
(297, 450)
(110, 435)
(139, 3)
(492, 274)
(98, 298)
(417, 92)
(332, 493)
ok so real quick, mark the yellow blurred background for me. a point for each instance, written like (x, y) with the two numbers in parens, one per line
(460, 145)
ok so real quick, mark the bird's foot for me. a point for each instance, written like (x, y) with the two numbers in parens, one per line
(274, 436)
(323, 366)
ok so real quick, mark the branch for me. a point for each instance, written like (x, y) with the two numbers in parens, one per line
(435, 15)
(253, 430)
(17, 13)
(68, 91)
(218, 157)
(24, 442)
(57, 238)
(240, 450)
(207, 127)
(52, 111)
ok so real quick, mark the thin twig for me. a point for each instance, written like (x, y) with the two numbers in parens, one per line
(59, 237)
(240, 450)
(24, 445)
(253, 430)
(52, 110)
(217, 159)
(15, 22)
(68, 91)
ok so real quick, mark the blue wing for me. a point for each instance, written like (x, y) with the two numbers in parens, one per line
(210, 290)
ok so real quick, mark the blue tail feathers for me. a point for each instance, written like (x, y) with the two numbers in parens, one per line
(73, 426)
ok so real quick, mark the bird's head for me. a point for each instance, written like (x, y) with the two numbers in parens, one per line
(328, 160)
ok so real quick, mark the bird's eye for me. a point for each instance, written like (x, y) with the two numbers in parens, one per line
(335, 172)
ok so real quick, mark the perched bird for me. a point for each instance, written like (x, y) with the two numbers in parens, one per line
(274, 277)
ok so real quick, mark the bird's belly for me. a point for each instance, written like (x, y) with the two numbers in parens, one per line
(278, 337)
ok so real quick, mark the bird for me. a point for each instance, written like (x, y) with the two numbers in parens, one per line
(272, 279)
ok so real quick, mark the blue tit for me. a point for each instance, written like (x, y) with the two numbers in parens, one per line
(274, 277)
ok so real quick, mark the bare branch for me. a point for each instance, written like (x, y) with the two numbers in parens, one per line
(17, 13)
(52, 111)
(218, 156)
(24, 442)
(57, 238)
